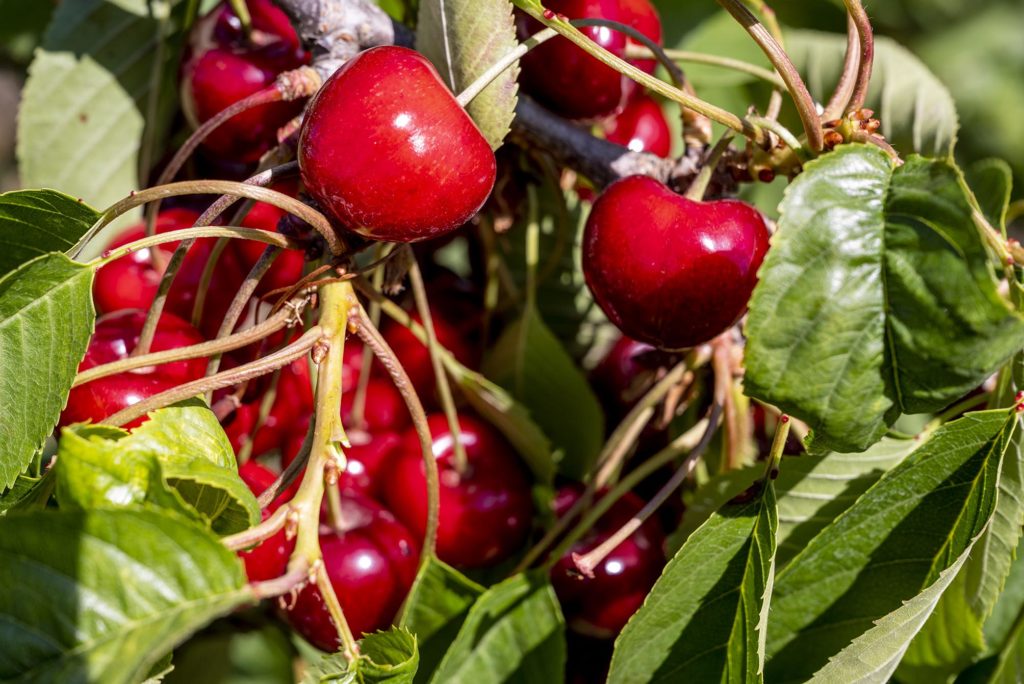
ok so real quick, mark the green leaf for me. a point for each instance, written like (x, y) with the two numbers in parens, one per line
(386, 658)
(1010, 604)
(235, 651)
(102, 75)
(705, 618)
(464, 38)
(102, 596)
(991, 181)
(37, 222)
(26, 493)
(917, 112)
(513, 633)
(890, 545)
(434, 611)
(530, 362)
(709, 497)
(46, 318)
(877, 298)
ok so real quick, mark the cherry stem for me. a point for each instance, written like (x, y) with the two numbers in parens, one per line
(296, 576)
(566, 29)
(226, 379)
(848, 78)
(258, 332)
(372, 338)
(778, 445)
(700, 184)
(867, 53)
(502, 65)
(444, 391)
(241, 11)
(349, 645)
(209, 268)
(237, 232)
(258, 533)
(787, 70)
(290, 474)
(657, 52)
(586, 563)
(784, 133)
(640, 52)
(358, 415)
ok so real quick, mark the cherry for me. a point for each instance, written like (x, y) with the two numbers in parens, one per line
(667, 270)
(642, 15)
(642, 127)
(386, 148)
(371, 564)
(269, 559)
(567, 80)
(454, 332)
(600, 606)
(485, 511)
(223, 68)
(114, 338)
(288, 266)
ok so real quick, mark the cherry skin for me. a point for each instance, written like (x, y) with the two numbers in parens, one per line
(288, 267)
(114, 339)
(667, 270)
(454, 333)
(581, 87)
(641, 15)
(600, 606)
(371, 564)
(223, 69)
(387, 149)
(485, 512)
(269, 559)
(642, 127)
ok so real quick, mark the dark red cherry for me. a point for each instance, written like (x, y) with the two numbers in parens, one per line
(114, 339)
(384, 409)
(366, 459)
(371, 564)
(269, 559)
(642, 127)
(287, 267)
(667, 270)
(485, 512)
(641, 15)
(600, 606)
(387, 149)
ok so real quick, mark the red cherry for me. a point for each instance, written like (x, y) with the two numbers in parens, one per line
(270, 559)
(222, 69)
(365, 459)
(384, 408)
(114, 339)
(641, 15)
(371, 565)
(456, 329)
(667, 270)
(600, 606)
(642, 127)
(387, 149)
(485, 512)
(288, 267)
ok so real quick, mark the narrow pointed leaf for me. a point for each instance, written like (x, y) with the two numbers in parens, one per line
(46, 318)
(103, 596)
(37, 222)
(389, 657)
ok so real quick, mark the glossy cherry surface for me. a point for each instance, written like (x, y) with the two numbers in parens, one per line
(567, 80)
(625, 373)
(371, 564)
(667, 270)
(600, 606)
(114, 339)
(270, 558)
(642, 127)
(223, 68)
(387, 149)
(485, 512)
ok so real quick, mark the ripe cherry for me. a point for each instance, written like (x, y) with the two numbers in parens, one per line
(600, 606)
(371, 564)
(625, 373)
(485, 511)
(270, 559)
(642, 127)
(223, 68)
(567, 80)
(287, 267)
(455, 332)
(114, 339)
(387, 149)
(667, 270)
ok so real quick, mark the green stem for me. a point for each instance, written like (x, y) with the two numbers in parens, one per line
(657, 52)
(503, 64)
(700, 184)
(638, 52)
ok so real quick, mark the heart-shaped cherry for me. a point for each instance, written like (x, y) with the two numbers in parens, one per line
(642, 127)
(601, 605)
(386, 148)
(668, 270)
(223, 68)
(269, 559)
(114, 339)
(371, 564)
(485, 512)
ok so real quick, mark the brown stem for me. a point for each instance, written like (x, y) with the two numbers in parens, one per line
(296, 576)
(867, 53)
(290, 474)
(848, 78)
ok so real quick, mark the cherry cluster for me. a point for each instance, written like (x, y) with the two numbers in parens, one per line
(387, 152)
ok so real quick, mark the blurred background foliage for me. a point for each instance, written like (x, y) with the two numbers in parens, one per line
(975, 47)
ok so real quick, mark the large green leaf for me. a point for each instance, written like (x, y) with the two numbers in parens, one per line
(463, 38)
(434, 611)
(890, 545)
(385, 658)
(27, 492)
(705, 618)
(877, 298)
(530, 362)
(513, 633)
(102, 596)
(46, 318)
(37, 222)
(102, 75)
(711, 496)
(917, 112)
